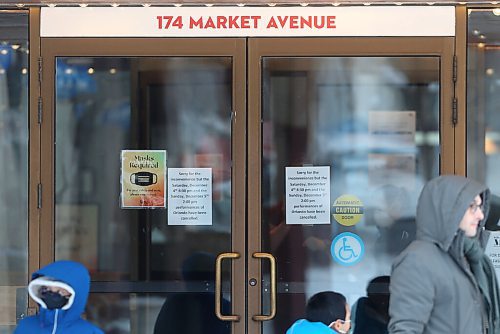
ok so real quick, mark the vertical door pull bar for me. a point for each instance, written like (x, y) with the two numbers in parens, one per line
(218, 286)
(272, 260)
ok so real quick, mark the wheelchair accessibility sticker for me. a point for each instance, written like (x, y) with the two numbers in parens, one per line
(347, 249)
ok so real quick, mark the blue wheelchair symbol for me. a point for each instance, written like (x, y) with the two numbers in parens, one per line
(347, 249)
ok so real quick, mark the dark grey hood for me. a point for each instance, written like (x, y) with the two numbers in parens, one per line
(442, 205)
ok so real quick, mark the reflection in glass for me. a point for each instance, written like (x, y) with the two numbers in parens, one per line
(483, 98)
(14, 81)
(176, 307)
(375, 122)
(105, 105)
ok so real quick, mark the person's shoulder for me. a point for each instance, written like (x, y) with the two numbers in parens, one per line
(303, 326)
(359, 304)
(418, 254)
(27, 325)
(421, 247)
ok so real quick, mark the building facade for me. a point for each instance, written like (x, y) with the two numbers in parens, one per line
(214, 166)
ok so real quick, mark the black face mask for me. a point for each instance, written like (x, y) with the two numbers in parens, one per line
(53, 300)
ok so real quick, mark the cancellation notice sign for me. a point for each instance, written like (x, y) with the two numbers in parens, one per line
(190, 196)
(308, 195)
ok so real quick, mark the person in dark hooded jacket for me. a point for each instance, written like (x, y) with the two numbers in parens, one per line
(443, 283)
(61, 289)
(372, 311)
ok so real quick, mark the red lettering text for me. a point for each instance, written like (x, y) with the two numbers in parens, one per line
(255, 20)
(165, 22)
(330, 22)
(210, 23)
(221, 22)
(195, 23)
(282, 20)
(272, 23)
(302, 22)
(224, 22)
(233, 22)
(245, 24)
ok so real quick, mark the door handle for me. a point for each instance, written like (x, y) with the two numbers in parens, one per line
(218, 287)
(272, 260)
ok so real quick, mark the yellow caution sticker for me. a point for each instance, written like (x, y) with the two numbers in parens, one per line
(348, 210)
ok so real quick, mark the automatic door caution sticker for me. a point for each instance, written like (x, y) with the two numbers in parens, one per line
(348, 210)
(347, 249)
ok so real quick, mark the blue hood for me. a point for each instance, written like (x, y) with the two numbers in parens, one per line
(303, 326)
(75, 275)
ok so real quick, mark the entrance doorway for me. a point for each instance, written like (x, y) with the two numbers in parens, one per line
(368, 116)
(364, 121)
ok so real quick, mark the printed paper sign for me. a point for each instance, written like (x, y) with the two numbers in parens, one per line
(190, 196)
(493, 251)
(143, 179)
(216, 163)
(308, 195)
(391, 130)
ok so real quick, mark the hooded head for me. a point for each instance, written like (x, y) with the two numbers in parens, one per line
(442, 205)
(71, 276)
(378, 294)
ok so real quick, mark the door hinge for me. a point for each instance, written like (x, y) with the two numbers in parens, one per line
(233, 116)
(455, 68)
(40, 108)
(39, 194)
(40, 63)
(454, 114)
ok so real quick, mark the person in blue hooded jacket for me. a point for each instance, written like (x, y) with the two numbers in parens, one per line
(327, 312)
(61, 289)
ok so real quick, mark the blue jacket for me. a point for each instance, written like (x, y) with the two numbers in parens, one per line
(63, 321)
(304, 326)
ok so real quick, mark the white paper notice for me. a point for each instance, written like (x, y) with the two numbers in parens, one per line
(308, 195)
(189, 196)
(392, 129)
(493, 251)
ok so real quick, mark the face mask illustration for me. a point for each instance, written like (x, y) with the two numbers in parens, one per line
(143, 178)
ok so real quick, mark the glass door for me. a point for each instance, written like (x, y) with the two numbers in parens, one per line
(143, 148)
(483, 78)
(148, 181)
(344, 133)
(14, 153)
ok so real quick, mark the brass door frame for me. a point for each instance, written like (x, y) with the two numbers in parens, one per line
(442, 47)
(34, 150)
(461, 91)
(130, 47)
